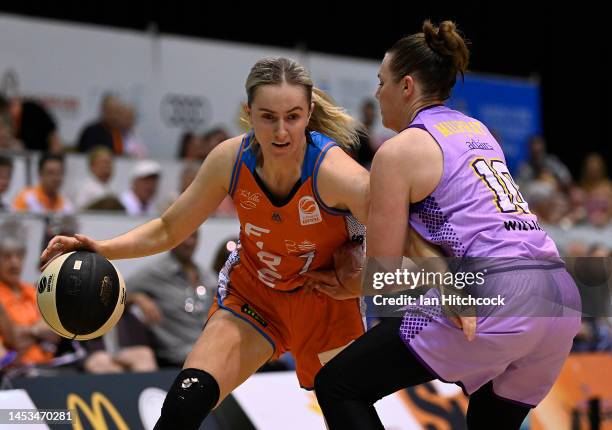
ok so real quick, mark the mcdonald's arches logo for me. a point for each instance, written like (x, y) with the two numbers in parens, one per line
(95, 413)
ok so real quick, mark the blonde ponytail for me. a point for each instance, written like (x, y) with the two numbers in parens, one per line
(333, 121)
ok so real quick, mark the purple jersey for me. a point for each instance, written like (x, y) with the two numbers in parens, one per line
(476, 210)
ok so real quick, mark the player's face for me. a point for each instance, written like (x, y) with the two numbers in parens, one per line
(391, 98)
(280, 114)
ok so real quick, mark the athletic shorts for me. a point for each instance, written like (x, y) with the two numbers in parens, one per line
(521, 348)
(311, 325)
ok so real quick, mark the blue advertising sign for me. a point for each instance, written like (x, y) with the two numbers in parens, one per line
(509, 107)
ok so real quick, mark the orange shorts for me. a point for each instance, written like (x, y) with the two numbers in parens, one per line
(310, 324)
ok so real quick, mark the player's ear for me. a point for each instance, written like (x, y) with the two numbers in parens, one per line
(408, 86)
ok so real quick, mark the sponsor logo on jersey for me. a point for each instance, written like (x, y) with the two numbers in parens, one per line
(248, 200)
(307, 246)
(299, 248)
(473, 144)
(309, 211)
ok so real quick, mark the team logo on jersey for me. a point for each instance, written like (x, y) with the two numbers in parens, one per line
(248, 200)
(276, 217)
(309, 211)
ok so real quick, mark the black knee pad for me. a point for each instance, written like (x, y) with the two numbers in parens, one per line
(192, 396)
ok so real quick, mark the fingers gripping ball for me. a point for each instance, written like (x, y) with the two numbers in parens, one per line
(81, 295)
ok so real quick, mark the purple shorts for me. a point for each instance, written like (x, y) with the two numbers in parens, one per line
(521, 348)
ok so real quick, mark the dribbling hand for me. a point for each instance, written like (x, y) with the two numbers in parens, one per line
(62, 244)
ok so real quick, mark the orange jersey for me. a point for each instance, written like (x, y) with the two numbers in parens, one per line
(281, 240)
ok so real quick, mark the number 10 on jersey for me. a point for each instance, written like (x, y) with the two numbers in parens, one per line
(496, 176)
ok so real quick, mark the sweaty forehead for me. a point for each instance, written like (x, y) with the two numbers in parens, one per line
(280, 98)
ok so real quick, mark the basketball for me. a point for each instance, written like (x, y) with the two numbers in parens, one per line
(81, 295)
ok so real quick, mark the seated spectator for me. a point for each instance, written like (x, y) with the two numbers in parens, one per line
(191, 147)
(6, 172)
(46, 196)
(108, 203)
(125, 348)
(542, 163)
(33, 340)
(598, 205)
(33, 125)
(212, 138)
(188, 174)
(8, 143)
(174, 295)
(546, 201)
(594, 173)
(138, 200)
(97, 185)
(106, 130)
(366, 148)
(133, 143)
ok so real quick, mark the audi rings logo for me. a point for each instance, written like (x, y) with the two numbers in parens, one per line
(185, 111)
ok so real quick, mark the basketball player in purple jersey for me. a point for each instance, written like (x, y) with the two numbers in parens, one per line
(445, 173)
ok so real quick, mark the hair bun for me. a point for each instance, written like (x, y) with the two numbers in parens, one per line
(446, 41)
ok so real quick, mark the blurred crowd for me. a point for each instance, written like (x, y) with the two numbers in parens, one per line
(26, 125)
(168, 302)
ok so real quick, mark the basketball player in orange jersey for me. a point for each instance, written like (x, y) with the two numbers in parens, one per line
(296, 191)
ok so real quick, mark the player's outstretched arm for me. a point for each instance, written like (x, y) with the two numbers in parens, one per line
(185, 215)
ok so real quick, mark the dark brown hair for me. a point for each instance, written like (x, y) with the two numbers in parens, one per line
(433, 57)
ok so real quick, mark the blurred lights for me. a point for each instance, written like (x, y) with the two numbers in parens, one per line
(231, 246)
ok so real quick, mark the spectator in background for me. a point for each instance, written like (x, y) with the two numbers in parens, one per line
(33, 340)
(191, 147)
(46, 196)
(594, 173)
(175, 296)
(546, 201)
(106, 131)
(188, 174)
(6, 172)
(543, 166)
(598, 205)
(366, 150)
(97, 185)
(126, 347)
(8, 143)
(31, 124)
(133, 144)
(212, 138)
(597, 189)
(56, 224)
(138, 200)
